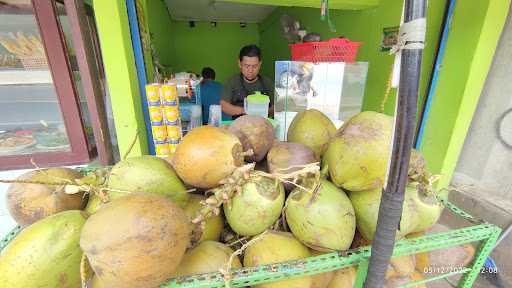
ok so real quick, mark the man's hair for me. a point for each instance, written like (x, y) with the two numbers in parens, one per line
(250, 51)
(208, 73)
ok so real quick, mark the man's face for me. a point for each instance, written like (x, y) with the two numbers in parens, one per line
(250, 67)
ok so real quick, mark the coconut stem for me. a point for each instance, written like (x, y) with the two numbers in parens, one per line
(226, 272)
(249, 152)
(19, 181)
(232, 185)
(240, 240)
(221, 195)
(85, 270)
(295, 176)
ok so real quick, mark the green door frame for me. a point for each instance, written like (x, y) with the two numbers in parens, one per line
(119, 62)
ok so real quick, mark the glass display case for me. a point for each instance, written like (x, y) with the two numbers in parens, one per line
(335, 88)
(42, 120)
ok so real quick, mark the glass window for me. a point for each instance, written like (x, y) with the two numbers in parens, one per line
(30, 115)
(84, 109)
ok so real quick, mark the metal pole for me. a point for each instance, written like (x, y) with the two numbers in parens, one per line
(390, 210)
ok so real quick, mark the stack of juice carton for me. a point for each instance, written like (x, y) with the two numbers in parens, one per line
(163, 105)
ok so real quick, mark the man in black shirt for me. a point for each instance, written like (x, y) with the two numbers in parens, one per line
(246, 83)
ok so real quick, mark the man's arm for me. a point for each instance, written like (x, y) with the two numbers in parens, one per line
(231, 109)
(227, 98)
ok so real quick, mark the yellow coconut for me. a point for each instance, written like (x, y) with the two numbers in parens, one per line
(46, 254)
(28, 203)
(400, 266)
(321, 280)
(422, 259)
(274, 247)
(344, 278)
(448, 259)
(395, 282)
(213, 225)
(207, 155)
(95, 283)
(136, 241)
(208, 256)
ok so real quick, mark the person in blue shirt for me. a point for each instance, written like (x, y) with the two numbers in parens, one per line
(211, 92)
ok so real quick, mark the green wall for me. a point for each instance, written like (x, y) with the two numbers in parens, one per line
(161, 30)
(217, 47)
(474, 34)
(275, 47)
(365, 26)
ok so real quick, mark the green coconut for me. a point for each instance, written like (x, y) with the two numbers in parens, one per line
(28, 203)
(322, 217)
(419, 211)
(357, 157)
(208, 256)
(257, 207)
(143, 174)
(275, 247)
(213, 225)
(136, 241)
(46, 254)
(313, 129)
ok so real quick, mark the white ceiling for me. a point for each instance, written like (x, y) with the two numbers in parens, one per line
(214, 10)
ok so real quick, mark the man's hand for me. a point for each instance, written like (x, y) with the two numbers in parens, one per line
(231, 109)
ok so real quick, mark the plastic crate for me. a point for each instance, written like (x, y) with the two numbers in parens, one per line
(333, 50)
(485, 233)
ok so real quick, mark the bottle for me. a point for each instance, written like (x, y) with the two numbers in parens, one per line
(195, 117)
(215, 115)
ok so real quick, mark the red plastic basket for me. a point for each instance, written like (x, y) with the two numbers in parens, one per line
(334, 50)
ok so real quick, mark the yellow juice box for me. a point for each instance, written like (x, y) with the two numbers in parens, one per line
(161, 148)
(153, 94)
(159, 132)
(172, 148)
(172, 114)
(156, 115)
(170, 94)
(173, 132)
